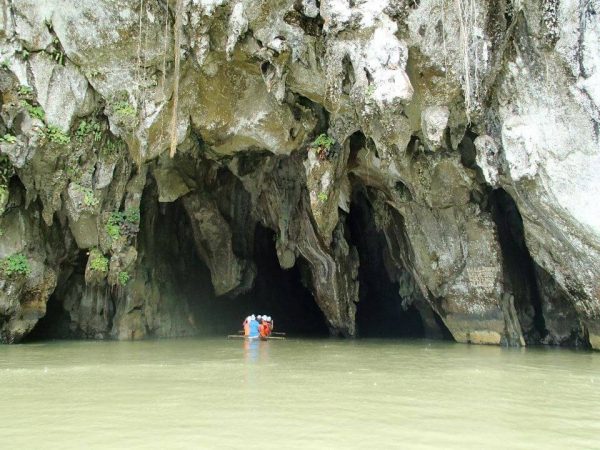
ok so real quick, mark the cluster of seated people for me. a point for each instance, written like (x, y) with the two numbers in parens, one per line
(258, 326)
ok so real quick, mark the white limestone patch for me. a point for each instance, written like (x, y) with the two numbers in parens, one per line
(574, 183)
(385, 59)
(61, 90)
(521, 147)
(434, 121)
(487, 158)
(238, 25)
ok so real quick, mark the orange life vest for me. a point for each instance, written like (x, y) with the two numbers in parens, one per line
(264, 330)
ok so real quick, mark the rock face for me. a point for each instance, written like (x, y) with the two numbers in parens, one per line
(466, 133)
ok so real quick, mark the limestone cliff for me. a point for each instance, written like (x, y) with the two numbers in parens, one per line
(450, 147)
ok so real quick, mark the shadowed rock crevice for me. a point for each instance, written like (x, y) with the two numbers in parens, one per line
(545, 313)
(560, 317)
(390, 302)
(518, 267)
(172, 283)
(57, 323)
(381, 311)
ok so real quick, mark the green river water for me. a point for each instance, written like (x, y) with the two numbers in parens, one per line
(218, 393)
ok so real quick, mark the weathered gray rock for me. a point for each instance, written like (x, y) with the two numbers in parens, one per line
(24, 287)
(214, 243)
(62, 91)
(171, 185)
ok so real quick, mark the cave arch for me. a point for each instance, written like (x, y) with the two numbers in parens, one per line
(266, 287)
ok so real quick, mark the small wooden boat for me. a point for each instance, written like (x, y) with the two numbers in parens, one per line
(251, 338)
(275, 333)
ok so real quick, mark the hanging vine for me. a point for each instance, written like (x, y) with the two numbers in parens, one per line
(164, 67)
(177, 33)
(470, 52)
(139, 47)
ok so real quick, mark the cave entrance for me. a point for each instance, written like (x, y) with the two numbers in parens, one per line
(281, 294)
(56, 323)
(381, 310)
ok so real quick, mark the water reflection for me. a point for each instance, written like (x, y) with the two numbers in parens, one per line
(255, 350)
(251, 347)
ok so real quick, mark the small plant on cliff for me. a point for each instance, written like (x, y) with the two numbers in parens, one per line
(323, 145)
(113, 226)
(8, 138)
(98, 262)
(34, 111)
(16, 264)
(89, 199)
(57, 135)
(132, 215)
(6, 172)
(123, 278)
(322, 196)
(92, 73)
(323, 141)
(24, 54)
(74, 172)
(125, 223)
(123, 108)
(111, 149)
(25, 91)
(57, 54)
(89, 128)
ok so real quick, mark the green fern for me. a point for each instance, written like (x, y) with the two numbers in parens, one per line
(16, 264)
(57, 135)
(123, 278)
(323, 141)
(98, 262)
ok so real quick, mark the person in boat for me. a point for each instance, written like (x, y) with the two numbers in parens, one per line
(265, 327)
(246, 325)
(253, 327)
